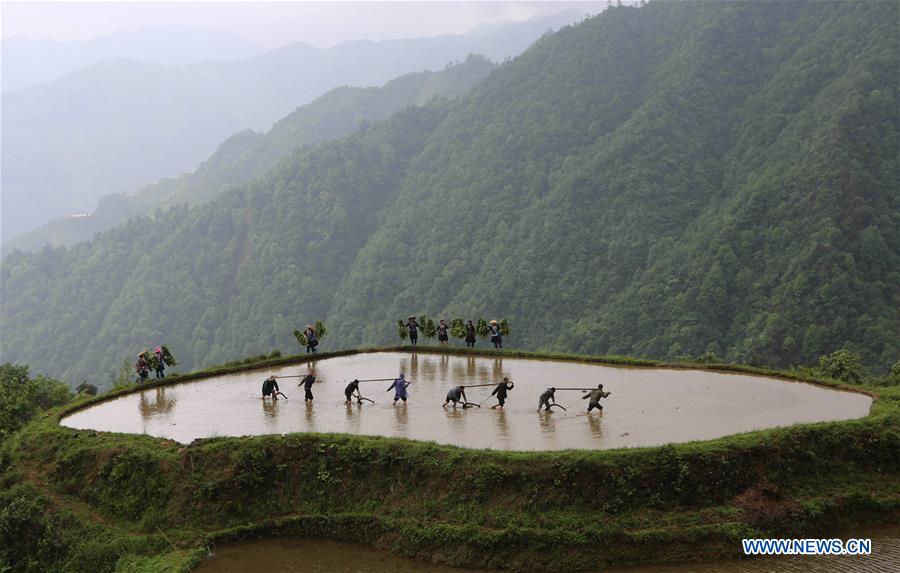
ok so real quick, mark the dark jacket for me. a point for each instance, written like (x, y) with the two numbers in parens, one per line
(269, 387)
(501, 389)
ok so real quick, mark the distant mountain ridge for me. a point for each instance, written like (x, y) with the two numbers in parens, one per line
(117, 125)
(670, 180)
(248, 154)
(27, 62)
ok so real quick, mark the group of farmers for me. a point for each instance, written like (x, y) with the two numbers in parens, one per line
(157, 362)
(443, 332)
(456, 395)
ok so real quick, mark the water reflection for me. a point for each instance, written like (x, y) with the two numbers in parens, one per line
(502, 423)
(401, 415)
(427, 370)
(444, 367)
(547, 422)
(596, 425)
(498, 368)
(159, 406)
(270, 408)
(414, 366)
(354, 413)
(309, 415)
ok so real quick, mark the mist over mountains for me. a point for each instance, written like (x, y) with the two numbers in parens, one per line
(659, 181)
(27, 61)
(117, 125)
(249, 154)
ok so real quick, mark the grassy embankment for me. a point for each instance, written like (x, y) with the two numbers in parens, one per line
(81, 500)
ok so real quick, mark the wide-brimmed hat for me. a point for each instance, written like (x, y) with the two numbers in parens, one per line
(410, 317)
(272, 377)
(493, 322)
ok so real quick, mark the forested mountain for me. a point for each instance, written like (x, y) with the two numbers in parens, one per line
(250, 154)
(117, 125)
(657, 181)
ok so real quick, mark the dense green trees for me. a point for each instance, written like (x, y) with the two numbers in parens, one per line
(21, 396)
(712, 179)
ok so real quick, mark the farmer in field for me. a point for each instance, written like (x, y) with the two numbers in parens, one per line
(496, 335)
(544, 401)
(442, 333)
(160, 363)
(413, 327)
(270, 387)
(141, 367)
(399, 387)
(500, 392)
(595, 396)
(456, 394)
(311, 340)
(470, 334)
(352, 388)
(307, 383)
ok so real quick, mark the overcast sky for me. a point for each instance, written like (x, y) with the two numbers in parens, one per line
(270, 24)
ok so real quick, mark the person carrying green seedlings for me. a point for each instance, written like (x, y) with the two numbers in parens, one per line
(312, 340)
(595, 396)
(160, 363)
(442, 332)
(270, 387)
(456, 395)
(413, 326)
(307, 383)
(349, 391)
(500, 392)
(544, 400)
(141, 367)
(470, 334)
(496, 335)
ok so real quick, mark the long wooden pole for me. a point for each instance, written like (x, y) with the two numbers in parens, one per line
(582, 389)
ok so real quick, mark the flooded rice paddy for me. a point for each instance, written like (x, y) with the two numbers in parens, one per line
(648, 406)
(325, 556)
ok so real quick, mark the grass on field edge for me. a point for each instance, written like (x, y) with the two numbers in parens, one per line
(74, 500)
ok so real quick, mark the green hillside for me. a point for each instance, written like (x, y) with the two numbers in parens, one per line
(249, 154)
(665, 180)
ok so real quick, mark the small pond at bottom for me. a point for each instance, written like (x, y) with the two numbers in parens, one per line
(288, 555)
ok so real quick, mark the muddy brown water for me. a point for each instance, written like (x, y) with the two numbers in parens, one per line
(648, 406)
(279, 555)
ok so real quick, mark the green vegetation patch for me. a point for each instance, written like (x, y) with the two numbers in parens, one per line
(143, 504)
